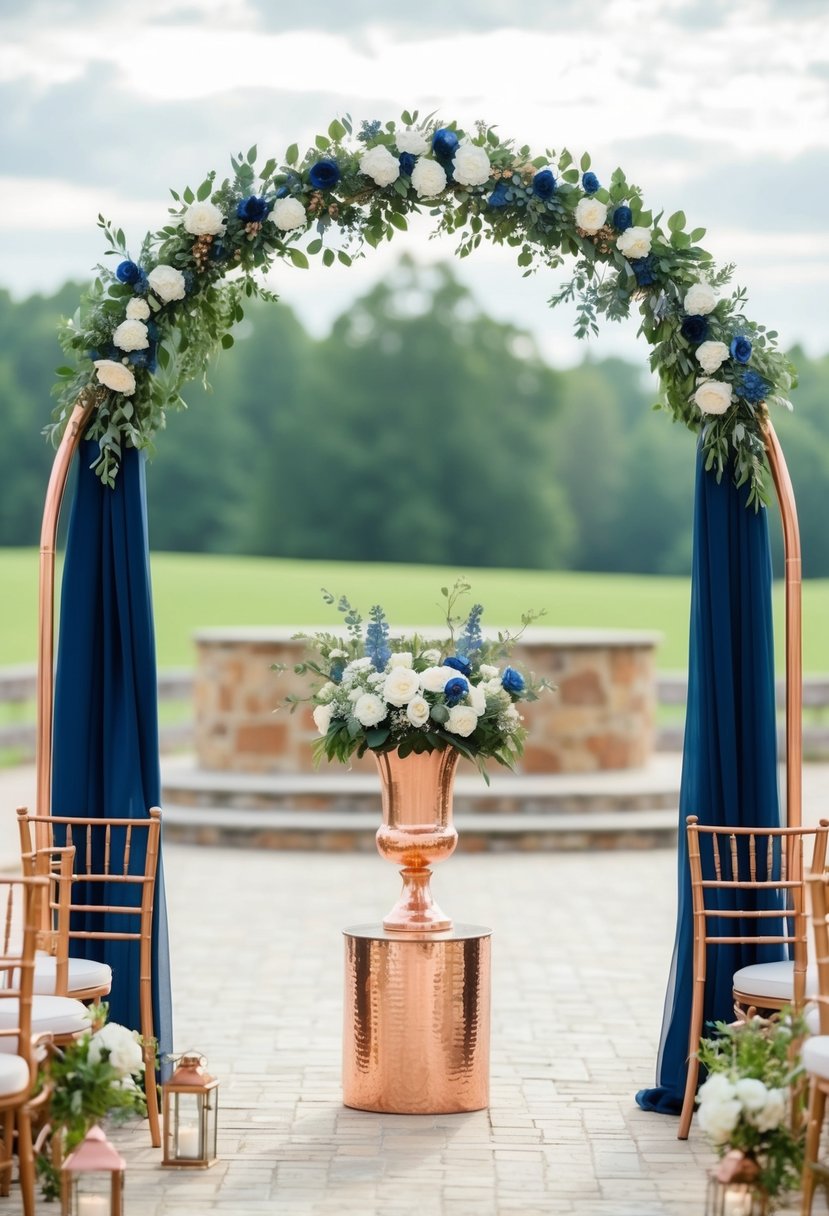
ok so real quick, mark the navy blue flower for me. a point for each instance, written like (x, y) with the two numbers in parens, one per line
(512, 680)
(645, 270)
(454, 689)
(335, 675)
(498, 198)
(622, 218)
(324, 175)
(544, 184)
(128, 272)
(694, 329)
(590, 183)
(444, 143)
(408, 160)
(740, 349)
(218, 252)
(459, 663)
(147, 358)
(253, 209)
(752, 387)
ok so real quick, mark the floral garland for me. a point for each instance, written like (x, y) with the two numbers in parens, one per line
(150, 325)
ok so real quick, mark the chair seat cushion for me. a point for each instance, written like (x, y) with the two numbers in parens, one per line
(811, 1015)
(58, 1015)
(773, 980)
(815, 1055)
(84, 974)
(14, 1075)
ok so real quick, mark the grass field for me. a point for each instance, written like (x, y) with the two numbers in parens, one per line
(192, 590)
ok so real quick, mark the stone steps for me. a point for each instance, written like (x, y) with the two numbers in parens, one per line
(340, 810)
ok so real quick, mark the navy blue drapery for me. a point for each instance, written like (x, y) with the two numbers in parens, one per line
(729, 768)
(105, 751)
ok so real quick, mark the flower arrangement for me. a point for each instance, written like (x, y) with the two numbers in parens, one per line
(744, 1104)
(382, 693)
(149, 325)
(96, 1076)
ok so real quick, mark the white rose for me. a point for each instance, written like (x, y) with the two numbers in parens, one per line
(433, 679)
(477, 699)
(401, 684)
(634, 242)
(322, 717)
(718, 1119)
(167, 283)
(401, 658)
(428, 178)
(700, 300)
(203, 219)
(717, 1088)
(462, 720)
(137, 309)
(123, 1047)
(711, 356)
(488, 672)
(773, 1113)
(713, 396)
(590, 214)
(417, 711)
(288, 213)
(115, 376)
(752, 1093)
(379, 164)
(369, 709)
(412, 140)
(471, 166)
(131, 335)
(432, 657)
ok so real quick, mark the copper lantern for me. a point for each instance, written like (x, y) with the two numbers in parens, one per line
(92, 1178)
(190, 1101)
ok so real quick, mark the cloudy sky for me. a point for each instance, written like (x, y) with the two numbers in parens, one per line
(721, 109)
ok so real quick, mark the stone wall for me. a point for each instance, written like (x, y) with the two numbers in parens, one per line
(601, 716)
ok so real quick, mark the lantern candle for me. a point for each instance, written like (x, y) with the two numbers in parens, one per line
(188, 1141)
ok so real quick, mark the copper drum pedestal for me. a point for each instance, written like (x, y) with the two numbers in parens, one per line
(416, 1020)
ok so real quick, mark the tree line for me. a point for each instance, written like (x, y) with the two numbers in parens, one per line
(419, 430)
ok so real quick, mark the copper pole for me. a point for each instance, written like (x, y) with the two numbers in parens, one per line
(46, 605)
(794, 628)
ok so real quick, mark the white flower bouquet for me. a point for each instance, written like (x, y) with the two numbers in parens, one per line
(379, 692)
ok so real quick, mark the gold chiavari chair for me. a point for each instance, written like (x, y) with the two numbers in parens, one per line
(815, 1049)
(758, 879)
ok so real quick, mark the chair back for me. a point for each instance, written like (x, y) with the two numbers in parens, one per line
(820, 928)
(748, 889)
(57, 866)
(20, 900)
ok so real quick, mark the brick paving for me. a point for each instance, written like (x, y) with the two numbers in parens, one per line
(580, 955)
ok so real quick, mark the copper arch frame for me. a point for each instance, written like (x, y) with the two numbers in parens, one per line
(46, 613)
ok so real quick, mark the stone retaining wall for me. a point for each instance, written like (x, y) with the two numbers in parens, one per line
(602, 715)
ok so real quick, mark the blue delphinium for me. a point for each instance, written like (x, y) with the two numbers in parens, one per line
(622, 218)
(644, 269)
(590, 183)
(253, 210)
(335, 674)
(128, 272)
(459, 662)
(694, 329)
(368, 130)
(753, 387)
(408, 160)
(498, 198)
(324, 175)
(471, 639)
(147, 358)
(544, 184)
(740, 349)
(454, 689)
(377, 638)
(512, 680)
(444, 143)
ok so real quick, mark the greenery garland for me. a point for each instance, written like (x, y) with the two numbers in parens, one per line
(152, 323)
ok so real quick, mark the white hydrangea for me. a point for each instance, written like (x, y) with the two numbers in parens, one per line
(131, 335)
(462, 720)
(428, 178)
(322, 717)
(288, 213)
(434, 679)
(123, 1047)
(634, 242)
(379, 164)
(352, 669)
(713, 396)
(752, 1093)
(511, 718)
(488, 672)
(412, 140)
(400, 685)
(203, 219)
(719, 1118)
(167, 283)
(338, 654)
(711, 356)
(773, 1113)
(401, 658)
(326, 693)
(471, 165)
(477, 698)
(137, 309)
(432, 657)
(717, 1088)
(590, 214)
(700, 299)
(116, 376)
(369, 709)
(417, 711)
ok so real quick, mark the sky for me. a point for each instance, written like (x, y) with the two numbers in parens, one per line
(721, 109)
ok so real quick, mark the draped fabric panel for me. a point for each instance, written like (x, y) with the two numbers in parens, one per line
(729, 766)
(105, 751)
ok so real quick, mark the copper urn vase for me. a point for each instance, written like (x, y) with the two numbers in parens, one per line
(417, 831)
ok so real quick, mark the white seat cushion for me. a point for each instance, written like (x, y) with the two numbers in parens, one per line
(773, 980)
(14, 1075)
(815, 1055)
(811, 1015)
(84, 973)
(56, 1015)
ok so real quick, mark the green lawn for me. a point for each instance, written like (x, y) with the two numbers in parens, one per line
(191, 590)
